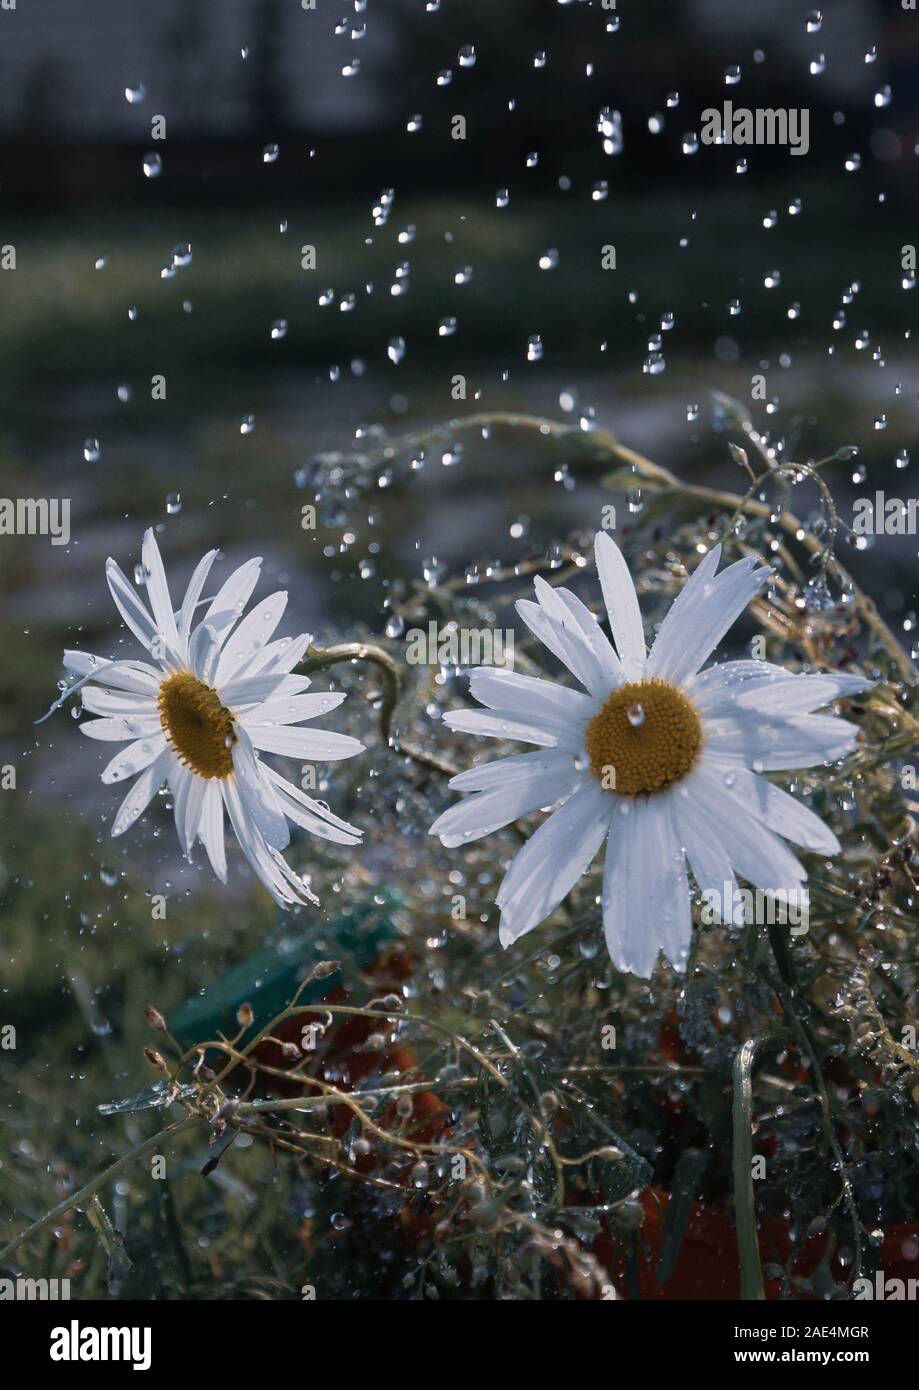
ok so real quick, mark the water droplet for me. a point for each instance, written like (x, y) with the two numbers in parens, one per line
(173, 503)
(732, 75)
(247, 424)
(814, 22)
(534, 348)
(133, 95)
(270, 154)
(152, 165)
(279, 329)
(636, 715)
(92, 450)
(466, 56)
(396, 350)
(549, 259)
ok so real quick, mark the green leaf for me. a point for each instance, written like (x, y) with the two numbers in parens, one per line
(686, 1181)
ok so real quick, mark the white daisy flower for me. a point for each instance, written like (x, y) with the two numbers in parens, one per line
(219, 694)
(658, 758)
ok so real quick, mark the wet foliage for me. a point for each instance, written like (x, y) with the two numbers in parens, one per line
(379, 1101)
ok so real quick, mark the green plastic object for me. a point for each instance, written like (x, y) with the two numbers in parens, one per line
(269, 979)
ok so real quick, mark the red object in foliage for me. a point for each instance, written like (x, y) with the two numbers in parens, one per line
(709, 1268)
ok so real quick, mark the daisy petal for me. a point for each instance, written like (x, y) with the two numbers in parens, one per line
(280, 656)
(502, 772)
(251, 636)
(543, 703)
(782, 813)
(120, 730)
(707, 856)
(142, 793)
(136, 676)
(253, 690)
(204, 652)
(500, 723)
(210, 828)
(192, 595)
(552, 861)
(540, 785)
(701, 615)
(782, 744)
(257, 795)
(621, 605)
(317, 745)
(120, 702)
(755, 853)
(568, 646)
(136, 616)
(311, 815)
(600, 663)
(646, 903)
(232, 597)
(771, 689)
(134, 758)
(193, 809)
(180, 782)
(292, 709)
(158, 590)
(283, 885)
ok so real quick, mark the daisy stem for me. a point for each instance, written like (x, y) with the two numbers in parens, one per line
(751, 1271)
(318, 659)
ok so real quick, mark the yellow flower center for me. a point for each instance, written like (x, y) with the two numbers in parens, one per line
(200, 727)
(646, 737)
